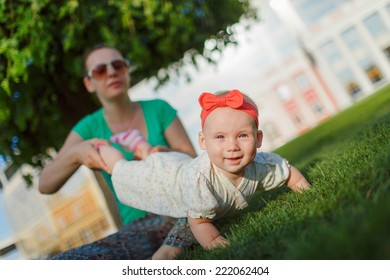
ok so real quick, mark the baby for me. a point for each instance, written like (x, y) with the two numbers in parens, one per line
(213, 185)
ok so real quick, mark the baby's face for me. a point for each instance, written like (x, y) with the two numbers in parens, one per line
(231, 139)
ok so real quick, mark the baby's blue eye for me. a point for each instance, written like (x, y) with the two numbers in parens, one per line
(243, 135)
(219, 137)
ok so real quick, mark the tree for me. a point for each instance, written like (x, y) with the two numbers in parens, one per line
(41, 47)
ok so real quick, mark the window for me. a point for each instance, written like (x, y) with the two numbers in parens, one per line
(387, 52)
(373, 73)
(375, 25)
(352, 39)
(317, 108)
(77, 209)
(350, 82)
(312, 11)
(353, 88)
(302, 82)
(331, 53)
(86, 236)
(284, 93)
(310, 96)
(297, 119)
(62, 222)
(64, 219)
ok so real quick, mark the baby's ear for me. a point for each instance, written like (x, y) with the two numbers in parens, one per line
(259, 140)
(202, 141)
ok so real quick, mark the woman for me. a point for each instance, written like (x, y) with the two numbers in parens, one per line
(108, 77)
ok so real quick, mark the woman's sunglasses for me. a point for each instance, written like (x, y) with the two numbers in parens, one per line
(100, 71)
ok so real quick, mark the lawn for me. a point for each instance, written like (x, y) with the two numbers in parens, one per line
(346, 214)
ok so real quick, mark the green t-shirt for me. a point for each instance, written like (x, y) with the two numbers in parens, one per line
(158, 116)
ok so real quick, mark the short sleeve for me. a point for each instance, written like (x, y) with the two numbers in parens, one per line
(92, 126)
(160, 111)
(158, 116)
(198, 197)
(83, 128)
(166, 112)
(274, 170)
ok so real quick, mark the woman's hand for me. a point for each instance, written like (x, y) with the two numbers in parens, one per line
(87, 154)
(73, 153)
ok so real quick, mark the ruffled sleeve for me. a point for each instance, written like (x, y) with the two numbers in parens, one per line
(198, 195)
(273, 170)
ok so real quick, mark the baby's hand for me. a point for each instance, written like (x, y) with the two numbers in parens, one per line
(159, 149)
(142, 150)
(297, 182)
(220, 241)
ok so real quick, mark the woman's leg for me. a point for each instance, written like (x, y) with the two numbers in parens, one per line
(136, 241)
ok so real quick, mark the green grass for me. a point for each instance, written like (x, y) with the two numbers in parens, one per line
(346, 214)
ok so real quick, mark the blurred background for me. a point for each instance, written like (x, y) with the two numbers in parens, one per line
(302, 61)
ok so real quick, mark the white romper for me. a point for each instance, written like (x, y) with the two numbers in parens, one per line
(177, 185)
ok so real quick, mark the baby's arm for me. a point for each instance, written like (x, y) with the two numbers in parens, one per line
(297, 182)
(110, 156)
(206, 233)
(142, 150)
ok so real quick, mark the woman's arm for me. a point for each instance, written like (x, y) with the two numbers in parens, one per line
(71, 156)
(178, 139)
(206, 233)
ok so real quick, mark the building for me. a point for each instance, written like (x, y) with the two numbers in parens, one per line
(323, 56)
(44, 225)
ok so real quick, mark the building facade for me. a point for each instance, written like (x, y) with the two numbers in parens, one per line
(44, 225)
(319, 57)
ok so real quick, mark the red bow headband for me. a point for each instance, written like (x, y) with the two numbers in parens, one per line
(233, 99)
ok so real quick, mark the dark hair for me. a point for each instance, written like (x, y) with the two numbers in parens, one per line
(90, 50)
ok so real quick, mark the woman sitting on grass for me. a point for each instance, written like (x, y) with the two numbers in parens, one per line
(217, 183)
